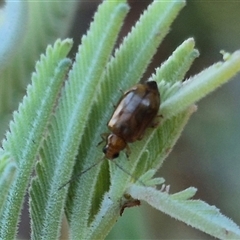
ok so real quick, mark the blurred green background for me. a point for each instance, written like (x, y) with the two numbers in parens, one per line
(207, 155)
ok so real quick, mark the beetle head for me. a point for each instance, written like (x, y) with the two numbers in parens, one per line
(114, 145)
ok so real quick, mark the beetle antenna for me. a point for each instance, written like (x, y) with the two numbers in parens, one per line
(128, 173)
(79, 174)
(96, 163)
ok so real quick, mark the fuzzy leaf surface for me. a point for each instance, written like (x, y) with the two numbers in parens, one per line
(122, 71)
(71, 120)
(28, 127)
(195, 213)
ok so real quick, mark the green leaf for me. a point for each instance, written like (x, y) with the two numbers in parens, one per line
(69, 138)
(71, 119)
(202, 84)
(120, 74)
(159, 142)
(164, 138)
(29, 126)
(7, 175)
(122, 71)
(172, 71)
(195, 213)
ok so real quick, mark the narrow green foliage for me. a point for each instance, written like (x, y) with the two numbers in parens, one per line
(165, 138)
(172, 72)
(139, 46)
(148, 180)
(195, 213)
(185, 194)
(130, 62)
(123, 71)
(7, 174)
(158, 147)
(202, 84)
(28, 128)
(71, 119)
(167, 135)
(66, 142)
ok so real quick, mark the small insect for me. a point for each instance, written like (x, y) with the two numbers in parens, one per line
(134, 113)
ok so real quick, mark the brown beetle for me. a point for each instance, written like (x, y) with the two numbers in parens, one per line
(134, 113)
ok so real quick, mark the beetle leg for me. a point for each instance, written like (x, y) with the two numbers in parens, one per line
(156, 121)
(154, 124)
(140, 137)
(103, 136)
(128, 151)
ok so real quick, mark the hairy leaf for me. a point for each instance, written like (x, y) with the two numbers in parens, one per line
(195, 213)
(28, 128)
(120, 73)
(71, 119)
